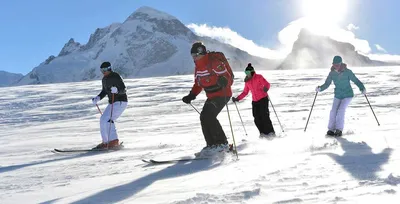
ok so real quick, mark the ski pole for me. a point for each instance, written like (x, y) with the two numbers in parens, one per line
(240, 118)
(194, 108)
(275, 113)
(230, 124)
(371, 109)
(111, 121)
(376, 118)
(99, 109)
(316, 93)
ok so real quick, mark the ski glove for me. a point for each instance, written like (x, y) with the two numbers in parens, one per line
(318, 89)
(190, 97)
(234, 99)
(265, 89)
(364, 91)
(95, 100)
(114, 90)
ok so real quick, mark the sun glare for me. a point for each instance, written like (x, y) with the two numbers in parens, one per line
(328, 11)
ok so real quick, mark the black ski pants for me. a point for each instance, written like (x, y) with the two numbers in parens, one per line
(261, 116)
(212, 129)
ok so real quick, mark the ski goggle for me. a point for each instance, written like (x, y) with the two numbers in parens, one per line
(105, 69)
(247, 72)
(196, 54)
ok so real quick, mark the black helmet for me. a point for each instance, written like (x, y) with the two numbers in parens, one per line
(198, 48)
(105, 66)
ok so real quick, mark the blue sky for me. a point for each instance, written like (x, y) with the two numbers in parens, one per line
(33, 30)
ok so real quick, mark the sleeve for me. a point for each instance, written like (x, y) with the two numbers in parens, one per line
(116, 80)
(327, 83)
(120, 85)
(354, 79)
(103, 92)
(244, 93)
(265, 83)
(196, 89)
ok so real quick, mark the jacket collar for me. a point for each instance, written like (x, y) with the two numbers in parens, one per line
(341, 69)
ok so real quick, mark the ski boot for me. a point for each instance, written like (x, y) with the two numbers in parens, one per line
(113, 144)
(100, 146)
(203, 152)
(330, 133)
(338, 133)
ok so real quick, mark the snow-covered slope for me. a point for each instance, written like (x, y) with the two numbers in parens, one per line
(300, 167)
(148, 43)
(7, 78)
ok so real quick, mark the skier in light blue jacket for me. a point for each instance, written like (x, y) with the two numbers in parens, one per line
(341, 77)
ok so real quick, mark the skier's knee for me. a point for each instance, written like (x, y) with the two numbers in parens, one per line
(204, 117)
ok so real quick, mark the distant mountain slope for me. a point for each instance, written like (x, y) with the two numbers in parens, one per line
(312, 51)
(7, 78)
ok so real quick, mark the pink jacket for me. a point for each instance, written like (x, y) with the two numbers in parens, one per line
(256, 85)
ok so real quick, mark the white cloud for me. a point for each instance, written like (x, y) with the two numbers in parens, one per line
(352, 27)
(380, 48)
(288, 35)
(385, 57)
(226, 35)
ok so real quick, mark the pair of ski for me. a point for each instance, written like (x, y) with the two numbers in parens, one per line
(88, 150)
(153, 161)
(150, 161)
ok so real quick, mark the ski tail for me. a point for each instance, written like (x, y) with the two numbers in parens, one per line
(152, 161)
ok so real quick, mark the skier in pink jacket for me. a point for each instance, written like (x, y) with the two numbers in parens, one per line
(259, 87)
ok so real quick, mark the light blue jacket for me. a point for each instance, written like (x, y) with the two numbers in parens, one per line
(342, 80)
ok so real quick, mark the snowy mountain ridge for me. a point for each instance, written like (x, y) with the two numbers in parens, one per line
(7, 78)
(152, 43)
(148, 43)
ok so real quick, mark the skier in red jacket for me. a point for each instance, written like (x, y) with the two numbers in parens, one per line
(213, 74)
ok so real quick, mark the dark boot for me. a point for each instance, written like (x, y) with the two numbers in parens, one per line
(330, 133)
(100, 146)
(338, 133)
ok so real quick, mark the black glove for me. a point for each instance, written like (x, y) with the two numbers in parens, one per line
(190, 97)
(265, 89)
(234, 99)
(222, 81)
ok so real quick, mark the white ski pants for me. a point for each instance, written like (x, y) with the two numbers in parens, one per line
(336, 117)
(106, 121)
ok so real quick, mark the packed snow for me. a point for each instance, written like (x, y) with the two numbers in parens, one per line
(297, 167)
